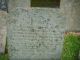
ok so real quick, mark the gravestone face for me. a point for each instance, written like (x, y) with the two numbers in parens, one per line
(35, 33)
(2, 31)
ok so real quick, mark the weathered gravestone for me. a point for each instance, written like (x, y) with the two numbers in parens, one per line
(2, 31)
(35, 33)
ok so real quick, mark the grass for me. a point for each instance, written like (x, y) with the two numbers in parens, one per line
(4, 57)
(71, 47)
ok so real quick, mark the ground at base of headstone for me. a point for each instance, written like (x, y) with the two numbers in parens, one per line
(71, 46)
(3, 56)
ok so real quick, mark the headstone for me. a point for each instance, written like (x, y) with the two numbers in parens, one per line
(35, 33)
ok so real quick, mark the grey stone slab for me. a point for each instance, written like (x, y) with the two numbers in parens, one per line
(35, 33)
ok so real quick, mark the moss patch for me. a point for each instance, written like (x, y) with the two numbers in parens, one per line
(71, 47)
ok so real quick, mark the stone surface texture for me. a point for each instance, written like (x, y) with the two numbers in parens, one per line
(35, 33)
(71, 9)
(2, 31)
